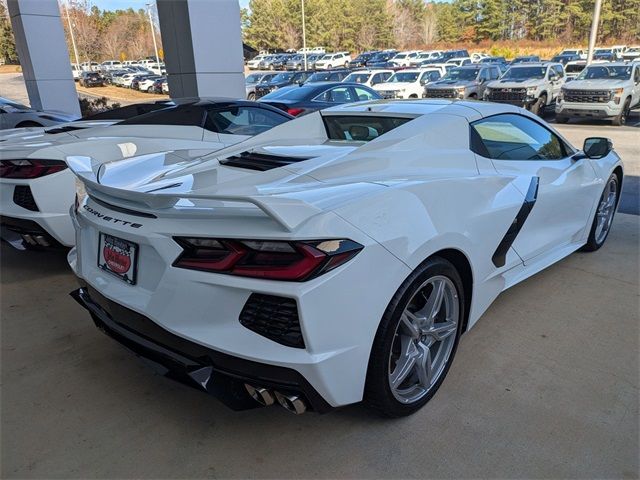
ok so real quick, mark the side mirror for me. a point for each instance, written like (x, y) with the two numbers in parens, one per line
(597, 147)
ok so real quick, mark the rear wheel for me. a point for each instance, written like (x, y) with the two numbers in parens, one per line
(251, 96)
(621, 118)
(604, 215)
(150, 90)
(416, 340)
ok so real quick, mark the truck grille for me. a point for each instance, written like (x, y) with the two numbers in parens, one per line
(441, 93)
(586, 96)
(508, 95)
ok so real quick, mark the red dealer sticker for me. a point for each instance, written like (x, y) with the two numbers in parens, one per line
(118, 257)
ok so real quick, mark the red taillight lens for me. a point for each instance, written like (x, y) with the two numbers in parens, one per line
(274, 260)
(295, 111)
(25, 169)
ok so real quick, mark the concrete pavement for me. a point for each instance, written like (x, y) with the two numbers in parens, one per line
(544, 386)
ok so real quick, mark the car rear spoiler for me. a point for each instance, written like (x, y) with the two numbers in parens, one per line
(288, 212)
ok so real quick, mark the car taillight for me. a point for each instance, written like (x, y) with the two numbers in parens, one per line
(295, 111)
(274, 260)
(25, 169)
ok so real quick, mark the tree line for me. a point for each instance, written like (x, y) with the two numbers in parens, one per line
(357, 25)
(99, 34)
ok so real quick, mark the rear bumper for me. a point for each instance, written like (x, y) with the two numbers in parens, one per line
(21, 233)
(192, 364)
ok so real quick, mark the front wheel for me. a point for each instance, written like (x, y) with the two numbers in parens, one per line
(603, 219)
(538, 107)
(251, 97)
(621, 118)
(416, 340)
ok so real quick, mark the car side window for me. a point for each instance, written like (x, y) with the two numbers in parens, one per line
(363, 94)
(242, 120)
(558, 69)
(495, 73)
(636, 75)
(336, 95)
(377, 78)
(515, 137)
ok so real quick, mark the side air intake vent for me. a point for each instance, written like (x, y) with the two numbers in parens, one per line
(273, 317)
(23, 197)
(260, 161)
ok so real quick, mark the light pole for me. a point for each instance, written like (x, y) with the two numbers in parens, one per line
(153, 35)
(304, 38)
(73, 38)
(594, 30)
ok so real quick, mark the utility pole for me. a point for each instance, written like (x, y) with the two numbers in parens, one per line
(153, 35)
(594, 30)
(73, 38)
(304, 38)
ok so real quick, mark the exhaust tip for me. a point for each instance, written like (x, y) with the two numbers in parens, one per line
(40, 240)
(29, 239)
(260, 395)
(293, 403)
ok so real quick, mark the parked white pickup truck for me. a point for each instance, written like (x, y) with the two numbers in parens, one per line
(604, 90)
(408, 83)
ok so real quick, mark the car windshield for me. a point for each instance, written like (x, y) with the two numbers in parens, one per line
(594, 72)
(360, 128)
(602, 56)
(357, 77)
(282, 77)
(633, 50)
(404, 77)
(401, 55)
(327, 57)
(524, 73)
(462, 74)
(576, 67)
(380, 57)
(602, 50)
(569, 52)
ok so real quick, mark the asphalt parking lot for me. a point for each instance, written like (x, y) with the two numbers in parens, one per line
(545, 386)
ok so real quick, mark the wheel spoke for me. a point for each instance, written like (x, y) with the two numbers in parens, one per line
(424, 367)
(434, 302)
(440, 331)
(411, 324)
(406, 362)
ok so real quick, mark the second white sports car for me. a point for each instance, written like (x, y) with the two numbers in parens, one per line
(337, 257)
(37, 189)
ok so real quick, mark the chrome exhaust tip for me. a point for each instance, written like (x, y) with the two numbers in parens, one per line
(293, 403)
(260, 395)
(40, 240)
(29, 239)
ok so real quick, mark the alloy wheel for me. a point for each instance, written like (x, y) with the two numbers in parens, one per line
(424, 339)
(606, 209)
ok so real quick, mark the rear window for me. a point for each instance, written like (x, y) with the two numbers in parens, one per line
(127, 112)
(243, 120)
(190, 115)
(360, 128)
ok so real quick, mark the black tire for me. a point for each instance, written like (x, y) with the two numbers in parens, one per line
(28, 124)
(561, 119)
(538, 107)
(413, 95)
(251, 96)
(473, 96)
(621, 118)
(378, 394)
(592, 243)
(150, 90)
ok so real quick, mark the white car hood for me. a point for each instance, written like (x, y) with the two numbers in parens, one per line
(597, 84)
(531, 82)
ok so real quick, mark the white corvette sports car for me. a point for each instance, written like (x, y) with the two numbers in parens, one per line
(337, 257)
(37, 189)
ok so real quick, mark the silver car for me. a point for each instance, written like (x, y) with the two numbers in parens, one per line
(15, 115)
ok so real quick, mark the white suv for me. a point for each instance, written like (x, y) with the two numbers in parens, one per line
(368, 77)
(404, 59)
(408, 83)
(333, 60)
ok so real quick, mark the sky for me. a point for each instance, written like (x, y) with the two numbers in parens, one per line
(135, 4)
